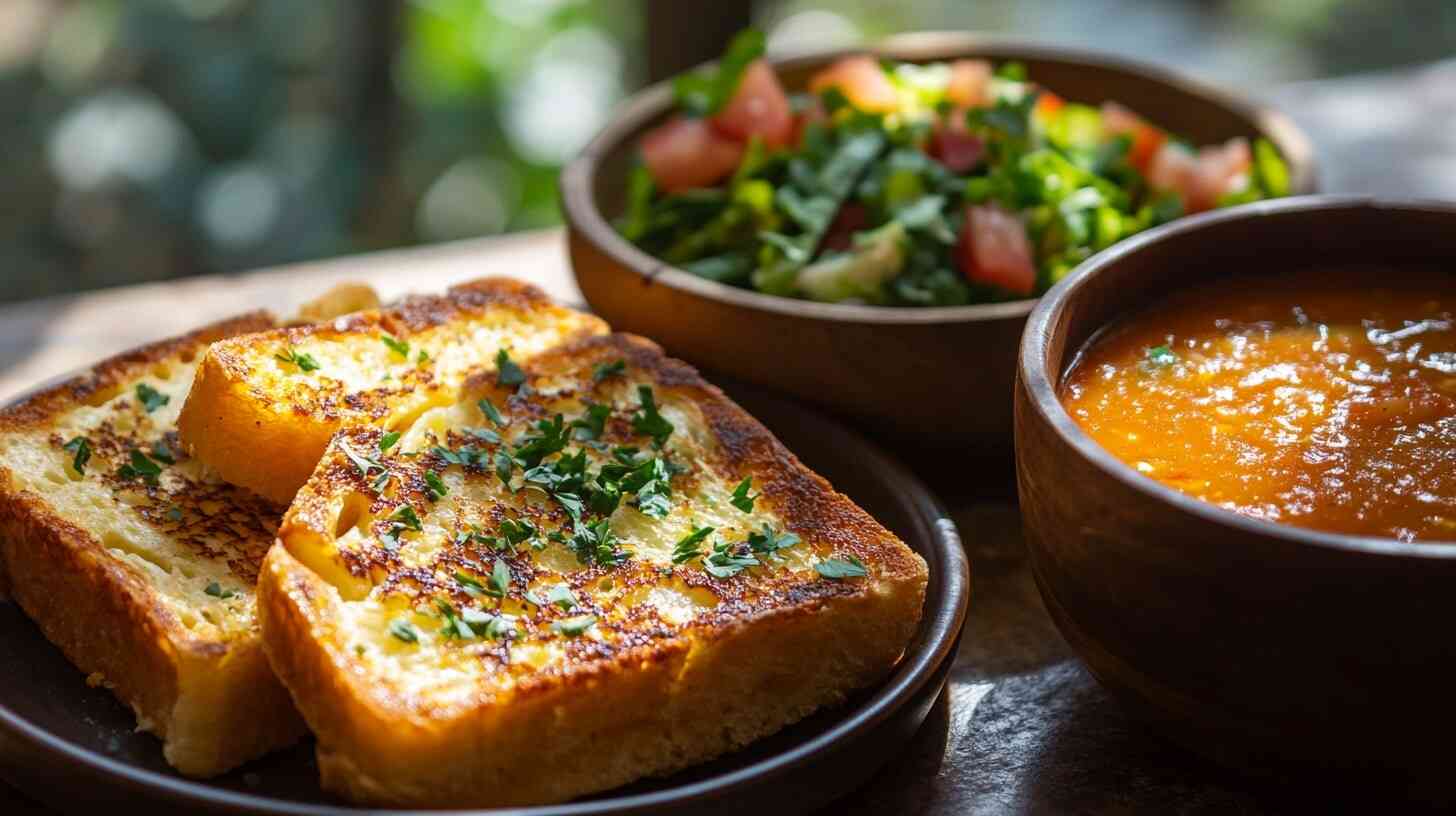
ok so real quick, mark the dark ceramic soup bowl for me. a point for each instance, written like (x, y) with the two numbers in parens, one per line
(1266, 647)
(939, 375)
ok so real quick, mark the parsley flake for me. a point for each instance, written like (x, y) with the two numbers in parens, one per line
(292, 356)
(687, 547)
(575, 626)
(768, 543)
(387, 441)
(150, 398)
(140, 467)
(649, 422)
(395, 345)
(741, 499)
(215, 590)
(727, 560)
(1160, 356)
(840, 568)
(423, 357)
(455, 626)
(507, 372)
(499, 583)
(80, 450)
(435, 488)
(404, 630)
(606, 371)
(406, 517)
(487, 408)
(561, 596)
(162, 453)
(469, 584)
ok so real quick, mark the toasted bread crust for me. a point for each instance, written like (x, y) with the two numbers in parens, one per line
(214, 702)
(650, 699)
(230, 415)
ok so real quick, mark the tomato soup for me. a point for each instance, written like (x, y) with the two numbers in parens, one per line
(1325, 400)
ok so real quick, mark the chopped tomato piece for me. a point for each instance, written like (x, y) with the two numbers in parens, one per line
(759, 107)
(994, 250)
(1146, 139)
(956, 147)
(1199, 178)
(970, 84)
(1048, 103)
(852, 218)
(862, 81)
(684, 153)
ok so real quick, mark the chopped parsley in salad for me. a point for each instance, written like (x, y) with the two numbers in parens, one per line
(911, 185)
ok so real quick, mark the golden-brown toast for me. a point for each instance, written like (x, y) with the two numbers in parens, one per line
(136, 562)
(454, 639)
(264, 405)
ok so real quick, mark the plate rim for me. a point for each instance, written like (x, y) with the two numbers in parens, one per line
(942, 625)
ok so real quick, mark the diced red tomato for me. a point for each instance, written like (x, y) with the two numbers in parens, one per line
(994, 250)
(1048, 103)
(759, 107)
(956, 147)
(851, 218)
(970, 84)
(1199, 178)
(1146, 139)
(862, 81)
(683, 153)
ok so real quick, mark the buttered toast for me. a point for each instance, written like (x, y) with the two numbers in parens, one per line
(589, 571)
(265, 405)
(137, 563)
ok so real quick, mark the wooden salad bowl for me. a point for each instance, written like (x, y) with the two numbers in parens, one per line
(937, 375)
(1264, 646)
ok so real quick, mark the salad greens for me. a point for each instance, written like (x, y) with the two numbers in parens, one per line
(955, 184)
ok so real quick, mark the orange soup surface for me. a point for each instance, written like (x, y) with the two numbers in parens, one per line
(1323, 399)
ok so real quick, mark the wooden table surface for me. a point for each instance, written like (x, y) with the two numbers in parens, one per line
(1021, 727)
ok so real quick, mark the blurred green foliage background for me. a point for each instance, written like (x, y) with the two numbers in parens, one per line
(149, 139)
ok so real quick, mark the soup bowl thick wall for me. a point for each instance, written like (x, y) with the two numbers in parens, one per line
(1266, 647)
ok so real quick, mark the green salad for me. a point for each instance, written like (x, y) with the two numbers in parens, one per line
(911, 185)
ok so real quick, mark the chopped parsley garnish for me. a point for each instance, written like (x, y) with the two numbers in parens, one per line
(497, 626)
(595, 543)
(488, 408)
(162, 453)
(150, 398)
(841, 568)
(727, 560)
(648, 422)
(364, 465)
(767, 543)
(551, 437)
(80, 450)
(561, 596)
(140, 467)
(741, 498)
(499, 583)
(455, 626)
(465, 457)
(574, 626)
(517, 531)
(606, 371)
(688, 547)
(423, 357)
(1160, 356)
(504, 466)
(507, 372)
(404, 630)
(395, 345)
(305, 362)
(387, 441)
(469, 584)
(406, 517)
(435, 488)
(589, 426)
(215, 590)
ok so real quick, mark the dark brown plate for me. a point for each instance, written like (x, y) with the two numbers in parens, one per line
(73, 746)
(1268, 647)
(938, 375)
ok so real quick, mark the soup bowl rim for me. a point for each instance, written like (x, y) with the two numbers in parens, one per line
(1040, 386)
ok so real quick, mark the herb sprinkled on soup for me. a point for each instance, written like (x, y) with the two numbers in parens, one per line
(1320, 399)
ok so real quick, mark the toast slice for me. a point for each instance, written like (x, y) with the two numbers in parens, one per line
(286, 391)
(136, 562)
(518, 599)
